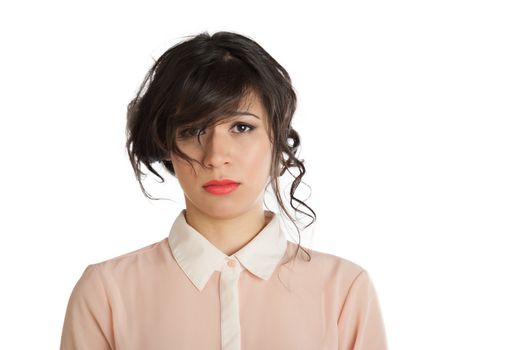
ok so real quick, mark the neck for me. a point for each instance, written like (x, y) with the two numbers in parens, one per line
(228, 234)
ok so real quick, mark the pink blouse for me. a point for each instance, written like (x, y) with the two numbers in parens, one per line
(183, 293)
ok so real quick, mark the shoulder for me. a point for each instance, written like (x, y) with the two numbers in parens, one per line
(103, 281)
(324, 260)
(333, 269)
(143, 258)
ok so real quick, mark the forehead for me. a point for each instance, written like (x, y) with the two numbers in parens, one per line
(252, 104)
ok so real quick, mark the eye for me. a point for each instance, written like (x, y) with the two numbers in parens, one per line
(245, 128)
(190, 132)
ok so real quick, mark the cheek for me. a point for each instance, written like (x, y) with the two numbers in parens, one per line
(260, 160)
(184, 172)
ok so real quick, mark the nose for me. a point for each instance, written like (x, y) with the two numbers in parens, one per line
(216, 147)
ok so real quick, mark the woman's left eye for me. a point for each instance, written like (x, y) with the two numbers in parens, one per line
(245, 128)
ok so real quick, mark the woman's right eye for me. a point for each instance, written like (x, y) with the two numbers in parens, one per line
(189, 132)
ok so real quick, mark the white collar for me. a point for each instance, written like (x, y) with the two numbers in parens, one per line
(199, 258)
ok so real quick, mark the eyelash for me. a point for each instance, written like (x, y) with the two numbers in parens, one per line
(185, 133)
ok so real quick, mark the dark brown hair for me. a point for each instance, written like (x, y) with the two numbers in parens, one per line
(201, 81)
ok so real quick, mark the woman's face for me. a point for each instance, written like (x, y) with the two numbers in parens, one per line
(238, 149)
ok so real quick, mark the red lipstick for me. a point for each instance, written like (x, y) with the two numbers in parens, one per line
(224, 186)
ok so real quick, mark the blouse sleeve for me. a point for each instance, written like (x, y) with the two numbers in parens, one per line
(87, 323)
(360, 324)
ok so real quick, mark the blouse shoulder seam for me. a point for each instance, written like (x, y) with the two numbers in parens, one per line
(97, 273)
(95, 268)
(349, 292)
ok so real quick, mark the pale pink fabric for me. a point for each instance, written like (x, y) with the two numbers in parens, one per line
(184, 293)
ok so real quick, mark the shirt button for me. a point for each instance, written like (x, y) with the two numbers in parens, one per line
(231, 262)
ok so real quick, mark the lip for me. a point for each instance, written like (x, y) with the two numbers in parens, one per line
(221, 189)
(224, 182)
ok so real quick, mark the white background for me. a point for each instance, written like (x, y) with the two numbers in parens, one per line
(412, 118)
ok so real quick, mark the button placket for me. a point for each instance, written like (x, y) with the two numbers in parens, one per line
(229, 294)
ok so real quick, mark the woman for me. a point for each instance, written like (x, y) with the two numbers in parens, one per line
(217, 113)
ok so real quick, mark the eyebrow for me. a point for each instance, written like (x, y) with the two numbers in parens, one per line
(237, 113)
